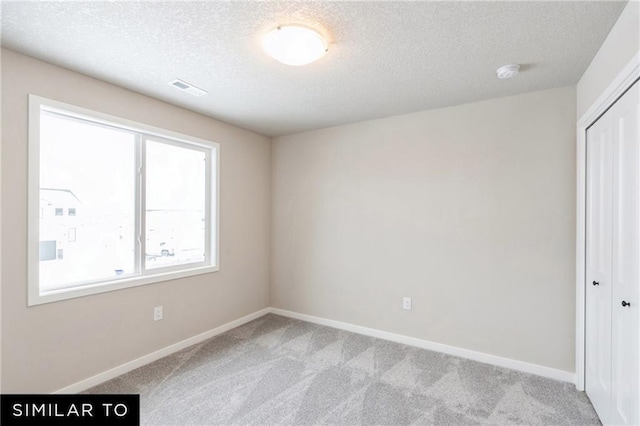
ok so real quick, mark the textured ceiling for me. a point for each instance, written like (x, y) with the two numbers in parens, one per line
(385, 58)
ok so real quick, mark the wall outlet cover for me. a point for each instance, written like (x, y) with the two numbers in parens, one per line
(157, 313)
(406, 303)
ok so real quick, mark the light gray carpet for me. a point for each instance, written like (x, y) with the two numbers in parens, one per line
(276, 370)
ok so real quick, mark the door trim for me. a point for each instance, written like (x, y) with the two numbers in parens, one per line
(624, 80)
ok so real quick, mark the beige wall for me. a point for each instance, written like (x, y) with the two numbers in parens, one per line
(622, 43)
(469, 210)
(50, 346)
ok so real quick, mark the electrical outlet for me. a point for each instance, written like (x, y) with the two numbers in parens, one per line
(157, 313)
(406, 303)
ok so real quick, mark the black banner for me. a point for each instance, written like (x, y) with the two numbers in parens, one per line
(70, 410)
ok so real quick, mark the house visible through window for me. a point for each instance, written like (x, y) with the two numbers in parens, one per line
(144, 199)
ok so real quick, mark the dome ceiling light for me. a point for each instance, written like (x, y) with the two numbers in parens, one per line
(294, 45)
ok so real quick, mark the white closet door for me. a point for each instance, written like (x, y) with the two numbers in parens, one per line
(598, 273)
(626, 259)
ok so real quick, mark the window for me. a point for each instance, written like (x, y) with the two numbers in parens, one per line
(141, 203)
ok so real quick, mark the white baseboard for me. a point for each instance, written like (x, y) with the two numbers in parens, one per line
(161, 353)
(512, 364)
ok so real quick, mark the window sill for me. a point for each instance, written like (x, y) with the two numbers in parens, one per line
(36, 298)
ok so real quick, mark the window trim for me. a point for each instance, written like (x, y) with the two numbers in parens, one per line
(212, 204)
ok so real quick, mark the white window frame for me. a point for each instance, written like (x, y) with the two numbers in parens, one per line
(211, 150)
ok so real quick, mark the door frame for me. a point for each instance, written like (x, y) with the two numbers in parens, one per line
(623, 81)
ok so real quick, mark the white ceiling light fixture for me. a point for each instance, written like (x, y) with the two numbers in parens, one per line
(508, 71)
(294, 45)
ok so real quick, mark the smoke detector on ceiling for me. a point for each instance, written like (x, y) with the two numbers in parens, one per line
(187, 87)
(508, 71)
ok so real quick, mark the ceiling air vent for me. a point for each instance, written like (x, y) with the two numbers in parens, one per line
(187, 87)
